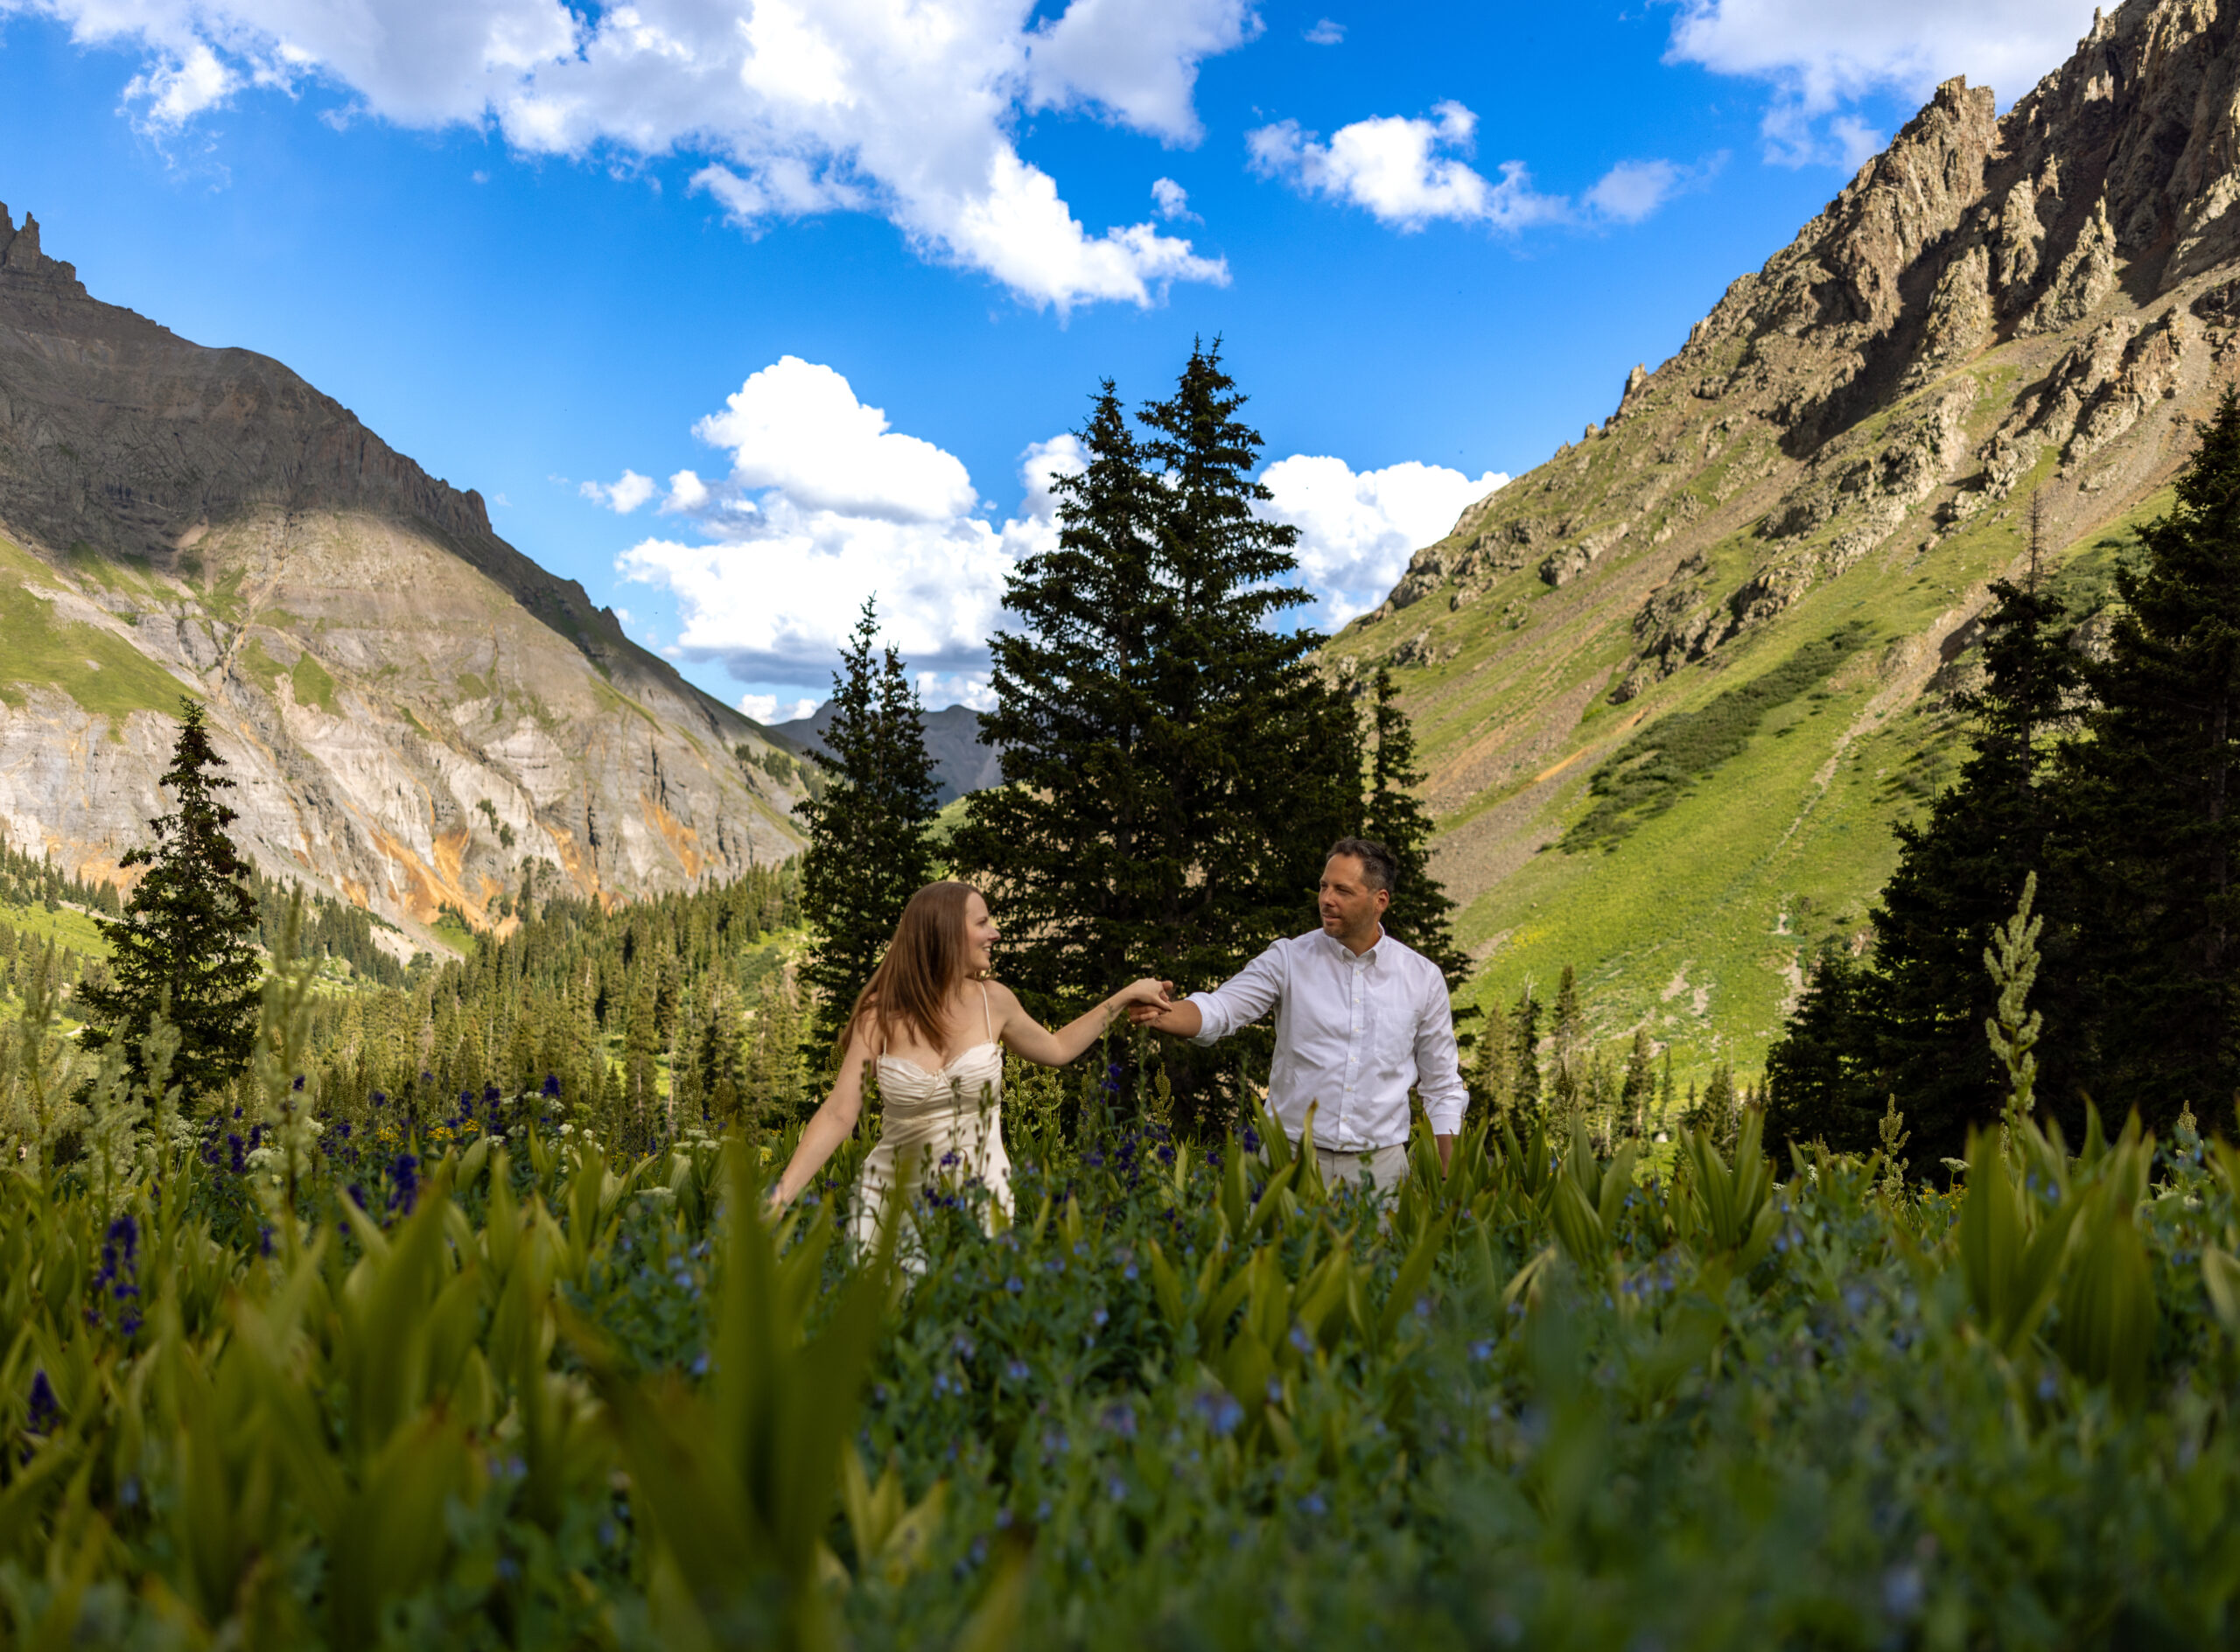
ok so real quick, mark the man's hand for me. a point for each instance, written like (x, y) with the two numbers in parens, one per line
(1182, 1018)
(1446, 1153)
(1148, 1014)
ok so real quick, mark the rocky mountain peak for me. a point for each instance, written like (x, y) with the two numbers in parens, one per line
(21, 259)
(423, 717)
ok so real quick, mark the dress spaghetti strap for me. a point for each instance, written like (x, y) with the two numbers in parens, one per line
(987, 1024)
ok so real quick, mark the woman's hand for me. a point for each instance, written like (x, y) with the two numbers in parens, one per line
(1147, 993)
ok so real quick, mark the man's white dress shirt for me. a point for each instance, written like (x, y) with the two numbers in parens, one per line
(1353, 1032)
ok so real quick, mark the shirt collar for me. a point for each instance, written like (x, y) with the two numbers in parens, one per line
(1346, 955)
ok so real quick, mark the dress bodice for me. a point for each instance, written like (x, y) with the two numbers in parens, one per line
(945, 1125)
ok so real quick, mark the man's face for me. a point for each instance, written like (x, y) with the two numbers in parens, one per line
(1349, 905)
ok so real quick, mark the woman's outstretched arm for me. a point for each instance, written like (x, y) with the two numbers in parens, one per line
(1029, 1039)
(833, 1123)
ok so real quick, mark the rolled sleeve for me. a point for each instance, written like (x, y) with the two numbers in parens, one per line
(1439, 1065)
(1244, 998)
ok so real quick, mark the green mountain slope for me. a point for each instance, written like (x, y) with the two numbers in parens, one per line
(1743, 602)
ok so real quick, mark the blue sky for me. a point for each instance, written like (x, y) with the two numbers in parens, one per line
(815, 291)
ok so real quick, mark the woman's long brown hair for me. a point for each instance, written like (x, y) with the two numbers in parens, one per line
(923, 963)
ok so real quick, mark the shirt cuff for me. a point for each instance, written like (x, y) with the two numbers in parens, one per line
(1210, 1026)
(1446, 1115)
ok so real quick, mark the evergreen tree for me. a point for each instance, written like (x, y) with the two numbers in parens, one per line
(1493, 1074)
(1911, 1021)
(187, 944)
(1822, 1082)
(1639, 1087)
(2158, 798)
(1919, 1029)
(1421, 915)
(1173, 768)
(868, 849)
(1524, 1051)
(1567, 1085)
(773, 1077)
(1715, 1112)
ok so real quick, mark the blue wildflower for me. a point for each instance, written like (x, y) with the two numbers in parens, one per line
(43, 1412)
(404, 1183)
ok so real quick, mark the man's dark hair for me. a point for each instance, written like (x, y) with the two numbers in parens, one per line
(1377, 864)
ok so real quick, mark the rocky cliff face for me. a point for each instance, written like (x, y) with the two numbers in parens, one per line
(417, 714)
(1993, 311)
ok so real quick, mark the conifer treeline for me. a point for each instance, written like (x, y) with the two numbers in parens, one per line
(1535, 1060)
(2116, 782)
(612, 1006)
(29, 880)
(331, 928)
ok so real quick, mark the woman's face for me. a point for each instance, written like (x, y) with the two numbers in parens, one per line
(980, 936)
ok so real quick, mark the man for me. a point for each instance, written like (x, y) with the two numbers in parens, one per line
(1360, 1020)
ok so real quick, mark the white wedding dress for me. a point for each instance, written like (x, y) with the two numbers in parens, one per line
(937, 1129)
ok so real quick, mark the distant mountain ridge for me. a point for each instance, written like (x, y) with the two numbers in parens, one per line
(961, 763)
(1993, 308)
(419, 716)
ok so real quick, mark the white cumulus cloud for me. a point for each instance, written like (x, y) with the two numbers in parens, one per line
(1325, 32)
(824, 505)
(1408, 171)
(686, 493)
(766, 708)
(1632, 190)
(1822, 54)
(904, 108)
(1135, 60)
(621, 497)
(797, 428)
(1357, 529)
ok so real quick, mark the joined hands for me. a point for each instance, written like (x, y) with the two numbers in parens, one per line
(1150, 1010)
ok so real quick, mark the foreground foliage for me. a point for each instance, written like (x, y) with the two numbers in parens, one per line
(509, 1392)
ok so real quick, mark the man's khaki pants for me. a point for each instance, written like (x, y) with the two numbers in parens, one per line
(1382, 1168)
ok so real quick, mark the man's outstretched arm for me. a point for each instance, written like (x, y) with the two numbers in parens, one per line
(1182, 1018)
(1239, 1001)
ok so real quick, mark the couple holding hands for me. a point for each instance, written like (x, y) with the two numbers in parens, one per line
(1361, 1019)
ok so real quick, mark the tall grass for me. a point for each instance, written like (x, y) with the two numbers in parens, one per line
(509, 1393)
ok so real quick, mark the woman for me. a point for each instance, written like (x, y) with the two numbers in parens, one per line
(934, 1026)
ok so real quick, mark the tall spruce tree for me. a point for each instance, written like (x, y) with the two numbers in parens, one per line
(1638, 1088)
(1422, 913)
(868, 849)
(1173, 766)
(2157, 795)
(187, 944)
(1822, 1078)
(1910, 1020)
(1524, 1051)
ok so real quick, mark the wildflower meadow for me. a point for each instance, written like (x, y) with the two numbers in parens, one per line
(269, 1384)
